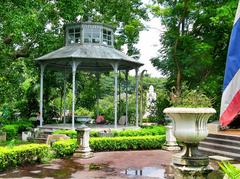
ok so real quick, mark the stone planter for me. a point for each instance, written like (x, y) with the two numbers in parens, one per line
(3, 136)
(190, 127)
(26, 135)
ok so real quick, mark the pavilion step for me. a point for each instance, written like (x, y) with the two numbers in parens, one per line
(223, 145)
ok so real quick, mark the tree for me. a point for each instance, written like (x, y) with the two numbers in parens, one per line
(29, 29)
(195, 42)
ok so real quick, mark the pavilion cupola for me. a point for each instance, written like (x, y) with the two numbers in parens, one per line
(88, 33)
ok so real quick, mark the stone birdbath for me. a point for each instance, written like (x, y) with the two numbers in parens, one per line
(83, 136)
(190, 127)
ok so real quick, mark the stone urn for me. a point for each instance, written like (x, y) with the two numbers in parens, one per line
(190, 127)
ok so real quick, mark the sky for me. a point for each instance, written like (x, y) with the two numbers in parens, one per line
(149, 44)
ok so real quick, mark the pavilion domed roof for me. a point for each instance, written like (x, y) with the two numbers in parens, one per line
(90, 44)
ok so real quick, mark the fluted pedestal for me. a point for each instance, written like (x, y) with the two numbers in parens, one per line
(84, 150)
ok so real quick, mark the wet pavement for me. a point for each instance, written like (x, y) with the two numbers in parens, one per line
(125, 164)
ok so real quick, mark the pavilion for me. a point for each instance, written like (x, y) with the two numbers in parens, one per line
(89, 47)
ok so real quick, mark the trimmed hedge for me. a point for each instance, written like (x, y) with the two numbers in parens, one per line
(73, 134)
(147, 131)
(22, 154)
(127, 143)
(63, 148)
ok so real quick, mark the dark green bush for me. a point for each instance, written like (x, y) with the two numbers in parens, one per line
(23, 125)
(11, 130)
(16, 128)
(126, 143)
(63, 148)
(147, 131)
(22, 154)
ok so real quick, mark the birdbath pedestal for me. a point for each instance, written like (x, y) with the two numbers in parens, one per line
(83, 150)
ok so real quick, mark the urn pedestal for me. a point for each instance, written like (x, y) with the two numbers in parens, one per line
(83, 150)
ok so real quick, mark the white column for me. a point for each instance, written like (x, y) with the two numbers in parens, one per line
(126, 91)
(115, 67)
(64, 98)
(41, 93)
(74, 68)
(98, 95)
(136, 70)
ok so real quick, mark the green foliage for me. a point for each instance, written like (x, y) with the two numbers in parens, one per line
(15, 128)
(94, 134)
(84, 112)
(106, 106)
(70, 133)
(192, 98)
(194, 45)
(230, 170)
(24, 36)
(19, 155)
(11, 130)
(64, 148)
(148, 131)
(23, 125)
(126, 143)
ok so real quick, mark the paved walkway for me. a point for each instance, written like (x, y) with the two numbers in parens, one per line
(126, 164)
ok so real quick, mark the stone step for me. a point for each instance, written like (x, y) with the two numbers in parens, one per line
(223, 136)
(209, 151)
(223, 145)
(223, 141)
(215, 146)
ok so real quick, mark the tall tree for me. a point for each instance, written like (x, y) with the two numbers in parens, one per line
(195, 42)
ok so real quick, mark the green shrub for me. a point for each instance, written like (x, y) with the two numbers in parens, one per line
(63, 148)
(22, 154)
(192, 98)
(11, 131)
(84, 112)
(126, 143)
(147, 131)
(23, 125)
(70, 133)
(94, 134)
(16, 128)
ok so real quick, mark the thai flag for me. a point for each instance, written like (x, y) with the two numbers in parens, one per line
(230, 104)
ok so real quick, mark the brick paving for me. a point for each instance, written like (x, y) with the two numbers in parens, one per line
(103, 165)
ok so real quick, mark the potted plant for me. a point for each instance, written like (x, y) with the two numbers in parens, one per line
(190, 113)
(3, 135)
